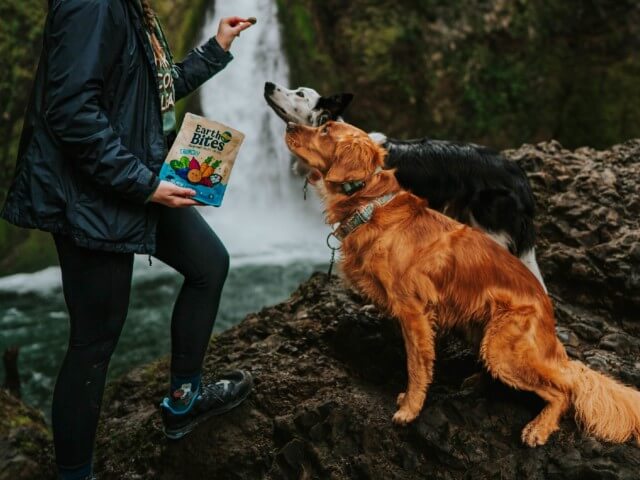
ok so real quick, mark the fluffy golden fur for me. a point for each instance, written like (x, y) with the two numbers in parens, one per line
(433, 273)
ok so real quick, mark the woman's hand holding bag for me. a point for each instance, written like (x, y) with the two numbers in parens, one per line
(173, 196)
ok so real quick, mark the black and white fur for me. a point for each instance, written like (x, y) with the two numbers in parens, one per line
(468, 182)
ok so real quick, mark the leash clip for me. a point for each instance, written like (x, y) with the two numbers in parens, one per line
(333, 252)
(304, 188)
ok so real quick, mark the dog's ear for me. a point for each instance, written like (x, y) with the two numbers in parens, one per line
(355, 158)
(336, 104)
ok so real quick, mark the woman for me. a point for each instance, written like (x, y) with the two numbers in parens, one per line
(97, 129)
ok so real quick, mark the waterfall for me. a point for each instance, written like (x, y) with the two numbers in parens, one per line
(263, 218)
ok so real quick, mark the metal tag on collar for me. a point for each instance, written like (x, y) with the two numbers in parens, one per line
(333, 252)
(304, 188)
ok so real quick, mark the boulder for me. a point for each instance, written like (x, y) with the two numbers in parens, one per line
(328, 365)
(26, 452)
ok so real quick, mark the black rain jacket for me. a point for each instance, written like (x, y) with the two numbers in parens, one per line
(92, 141)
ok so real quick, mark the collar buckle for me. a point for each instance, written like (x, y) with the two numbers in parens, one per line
(360, 216)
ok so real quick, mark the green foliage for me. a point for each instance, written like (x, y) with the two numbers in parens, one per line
(21, 24)
(24, 250)
(502, 72)
(304, 44)
(183, 32)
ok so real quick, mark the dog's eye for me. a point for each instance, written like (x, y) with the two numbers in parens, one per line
(324, 130)
(300, 94)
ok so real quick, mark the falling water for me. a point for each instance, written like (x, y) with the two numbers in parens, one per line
(264, 218)
(274, 237)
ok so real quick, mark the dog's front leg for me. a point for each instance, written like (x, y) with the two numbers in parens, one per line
(418, 334)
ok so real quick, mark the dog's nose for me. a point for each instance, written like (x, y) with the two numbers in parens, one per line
(269, 87)
(291, 127)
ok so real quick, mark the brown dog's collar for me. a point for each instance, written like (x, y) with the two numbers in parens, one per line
(360, 216)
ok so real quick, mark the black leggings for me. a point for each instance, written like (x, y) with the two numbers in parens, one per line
(96, 287)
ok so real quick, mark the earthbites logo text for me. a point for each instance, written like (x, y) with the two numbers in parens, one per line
(204, 137)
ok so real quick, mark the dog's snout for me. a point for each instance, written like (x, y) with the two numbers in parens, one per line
(291, 127)
(269, 87)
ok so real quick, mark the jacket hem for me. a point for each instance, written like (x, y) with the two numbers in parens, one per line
(78, 237)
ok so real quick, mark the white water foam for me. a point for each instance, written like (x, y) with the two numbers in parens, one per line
(263, 218)
(45, 282)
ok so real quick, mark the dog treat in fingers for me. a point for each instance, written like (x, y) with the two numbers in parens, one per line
(252, 20)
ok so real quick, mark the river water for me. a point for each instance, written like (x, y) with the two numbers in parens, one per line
(274, 237)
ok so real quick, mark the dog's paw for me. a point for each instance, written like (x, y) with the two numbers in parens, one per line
(404, 416)
(400, 399)
(533, 435)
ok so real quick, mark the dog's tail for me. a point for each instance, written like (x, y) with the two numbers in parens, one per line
(605, 408)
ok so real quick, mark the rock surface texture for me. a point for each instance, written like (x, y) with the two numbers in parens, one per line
(328, 366)
(26, 451)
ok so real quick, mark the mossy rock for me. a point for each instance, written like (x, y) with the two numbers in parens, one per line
(26, 450)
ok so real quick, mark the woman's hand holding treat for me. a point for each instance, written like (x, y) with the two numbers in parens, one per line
(230, 28)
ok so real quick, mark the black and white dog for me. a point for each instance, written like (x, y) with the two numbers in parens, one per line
(468, 182)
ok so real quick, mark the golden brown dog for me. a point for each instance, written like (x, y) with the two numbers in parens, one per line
(433, 273)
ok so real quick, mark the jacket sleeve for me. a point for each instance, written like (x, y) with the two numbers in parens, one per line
(199, 65)
(83, 44)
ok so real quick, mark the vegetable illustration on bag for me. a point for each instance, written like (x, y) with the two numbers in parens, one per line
(197, 173)
(202, 157)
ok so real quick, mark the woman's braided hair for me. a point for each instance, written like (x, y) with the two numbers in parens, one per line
(150, 22)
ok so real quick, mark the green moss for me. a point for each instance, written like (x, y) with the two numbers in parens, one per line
(25, 441)
(501, 73)
(19, 421)
(303, 42)
(182, 39)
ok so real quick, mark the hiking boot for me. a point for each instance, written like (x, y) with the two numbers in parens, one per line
(188, 409)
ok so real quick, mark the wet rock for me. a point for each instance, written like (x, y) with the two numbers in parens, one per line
(324, 410)
(588, 221)
(621, 343)
(586, 331)
(328, 366)
(25, 443)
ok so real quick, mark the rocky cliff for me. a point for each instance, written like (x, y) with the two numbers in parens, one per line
(328, 366)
